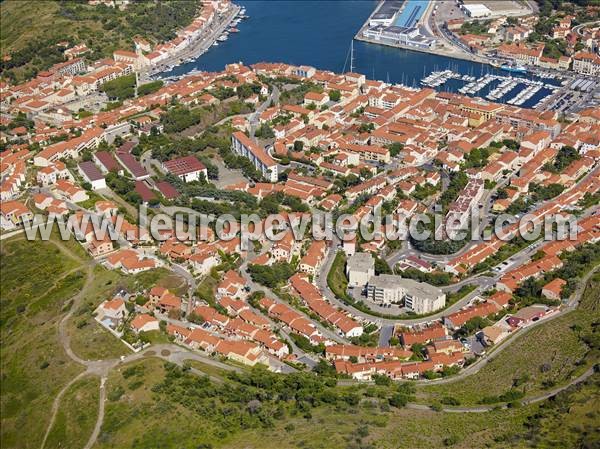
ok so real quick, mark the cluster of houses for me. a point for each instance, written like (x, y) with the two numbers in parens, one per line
(242, 335)
(54, 95)
(509, 40)
(438, 350)
(379, 139)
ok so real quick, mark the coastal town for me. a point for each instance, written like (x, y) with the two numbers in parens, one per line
(108, 141)
(504, 34)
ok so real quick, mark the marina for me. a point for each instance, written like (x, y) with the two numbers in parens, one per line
(513, 90)
(393, 65)
(199, 48)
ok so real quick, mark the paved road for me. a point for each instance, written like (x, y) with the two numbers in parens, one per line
(577, 29)
(10, 234)
(256, 287)
(200, 46)
(254, 117)
(321, 281)
(180, 270)
(385, 333)
(485, 217)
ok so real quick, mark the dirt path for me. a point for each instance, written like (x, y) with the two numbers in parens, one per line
(64, 337)
(63, 334)
(56, 405)
(178, 355)
(100, 419)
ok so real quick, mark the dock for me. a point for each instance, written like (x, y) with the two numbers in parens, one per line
(407, 19)
(198, 48)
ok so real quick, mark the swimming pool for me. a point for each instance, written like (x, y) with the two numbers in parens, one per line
(412, 12)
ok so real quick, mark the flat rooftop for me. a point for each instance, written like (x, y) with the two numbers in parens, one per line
(410, 286)
(388, 9)
(360, 262)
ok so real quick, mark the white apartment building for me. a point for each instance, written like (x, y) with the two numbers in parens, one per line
(242, 145)
(360, 267)
(419, 297)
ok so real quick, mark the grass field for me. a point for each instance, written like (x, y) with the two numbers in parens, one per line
(35, 294)
(133, 414)
(25, 280)
(89, 340)
(76, 415)
(158, 276)
(18, 29)
(571, 420)
(34, 291)
(139, 415)
(207, 369)
(367, 427)
(336, 278)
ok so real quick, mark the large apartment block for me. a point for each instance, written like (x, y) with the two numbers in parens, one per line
(419, 297)
(242, 145)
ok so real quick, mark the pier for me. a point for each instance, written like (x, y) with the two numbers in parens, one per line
(507, 84)
(199, 47)
(413, 16)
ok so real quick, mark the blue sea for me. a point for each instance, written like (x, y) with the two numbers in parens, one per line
(319, 33)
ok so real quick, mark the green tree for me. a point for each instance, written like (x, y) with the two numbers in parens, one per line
(120, 88)
(335, 95)
(398, 400)
(149, 88)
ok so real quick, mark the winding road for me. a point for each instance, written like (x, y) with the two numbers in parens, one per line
(176, 354)
(482, 362)
(321, 281)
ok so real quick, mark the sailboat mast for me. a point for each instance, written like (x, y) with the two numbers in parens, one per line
(352, 56)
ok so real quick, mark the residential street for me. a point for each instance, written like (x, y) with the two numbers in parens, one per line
(179, 355)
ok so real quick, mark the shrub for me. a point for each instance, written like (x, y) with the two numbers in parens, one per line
(398, 400)
(451, 440)
(449, 400)
(115, 394)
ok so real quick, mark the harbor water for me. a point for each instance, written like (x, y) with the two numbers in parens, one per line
(319, 33)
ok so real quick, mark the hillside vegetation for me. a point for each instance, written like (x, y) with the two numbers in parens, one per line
(32, 29)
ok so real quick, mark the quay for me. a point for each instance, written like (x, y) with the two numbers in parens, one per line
(197, 48)
(405, 25)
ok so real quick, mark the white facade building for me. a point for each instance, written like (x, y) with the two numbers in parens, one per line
(360, 267)
(419, 297)
(242, 145)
